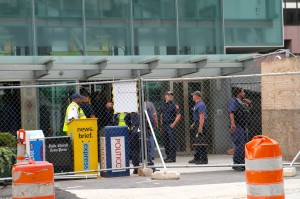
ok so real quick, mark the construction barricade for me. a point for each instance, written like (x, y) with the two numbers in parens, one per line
(264, 173)
(33, 180)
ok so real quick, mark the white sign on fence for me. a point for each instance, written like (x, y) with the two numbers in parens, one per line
(125, 97)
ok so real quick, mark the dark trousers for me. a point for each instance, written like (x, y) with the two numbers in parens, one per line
(239, 140)
(201, 150)
(169, 141)
(134, 145)
(149, 147)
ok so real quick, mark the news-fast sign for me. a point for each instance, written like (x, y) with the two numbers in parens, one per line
(118, 153)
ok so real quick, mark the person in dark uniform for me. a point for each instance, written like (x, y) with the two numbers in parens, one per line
(238, 109)
(132, 121)
(200, 129)
(86, 104)
(103, 109)
(170, 116)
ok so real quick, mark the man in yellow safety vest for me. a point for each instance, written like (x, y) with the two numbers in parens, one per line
(73, 110)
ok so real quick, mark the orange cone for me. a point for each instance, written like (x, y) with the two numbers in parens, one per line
(21, 147)
(264, 173)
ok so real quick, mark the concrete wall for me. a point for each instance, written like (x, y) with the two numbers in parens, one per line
(28, 106)
(292, 33)
(281, 105)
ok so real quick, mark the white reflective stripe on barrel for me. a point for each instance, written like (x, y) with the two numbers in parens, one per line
(263, 164)
(21, 153)
(21, 150)
(32, 190)
(265, 190)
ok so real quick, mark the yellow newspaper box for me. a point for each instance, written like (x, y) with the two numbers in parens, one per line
(84, 133)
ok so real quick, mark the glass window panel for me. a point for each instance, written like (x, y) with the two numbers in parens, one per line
(72, 8)
(291, 16)
(93, 8)
(16, 34)
(200, 27)
(147, 9)
(253, 23)
(108, 29)
(110, 8)
(59, 31)
(18, 8)
(154, 26)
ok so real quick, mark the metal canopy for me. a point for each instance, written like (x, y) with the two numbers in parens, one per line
(20, 68)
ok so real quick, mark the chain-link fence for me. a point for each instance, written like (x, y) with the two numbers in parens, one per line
(190, 129)
(182, 141)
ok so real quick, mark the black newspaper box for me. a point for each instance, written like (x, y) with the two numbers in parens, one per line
(59, 152)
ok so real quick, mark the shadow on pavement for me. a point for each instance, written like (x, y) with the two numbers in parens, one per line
(6, 193)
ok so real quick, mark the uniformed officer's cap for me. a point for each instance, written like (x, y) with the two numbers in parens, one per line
(198, 93)
(76, 95)
(169, 93)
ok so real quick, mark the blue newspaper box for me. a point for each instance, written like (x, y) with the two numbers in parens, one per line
(114, 151)
(36, 143)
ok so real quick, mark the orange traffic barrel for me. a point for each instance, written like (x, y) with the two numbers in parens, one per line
(33, 180)
(264, 173)
(21, 146)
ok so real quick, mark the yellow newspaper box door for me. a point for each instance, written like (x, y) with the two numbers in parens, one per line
(83, 133)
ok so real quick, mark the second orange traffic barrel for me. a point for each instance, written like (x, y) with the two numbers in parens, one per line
(264, 173)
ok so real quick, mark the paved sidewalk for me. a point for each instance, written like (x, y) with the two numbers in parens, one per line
(195, 183)
(210, 191)
(217, 183)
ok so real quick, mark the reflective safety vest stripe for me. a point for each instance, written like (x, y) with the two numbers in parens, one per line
(81, 115)
(122, 119)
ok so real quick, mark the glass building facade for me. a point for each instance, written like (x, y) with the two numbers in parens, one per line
(137, 27)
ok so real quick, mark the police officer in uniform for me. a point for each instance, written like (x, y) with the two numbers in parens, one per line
(73, 110)
(200, 128)
(132, 121)
(170, 116)
(238, 109)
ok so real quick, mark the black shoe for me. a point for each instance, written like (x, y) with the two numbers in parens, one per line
(150, 163)
(201, 162)
(169, 161)
(238, 168)
(135, 171)
(192, 161)
(154, 169)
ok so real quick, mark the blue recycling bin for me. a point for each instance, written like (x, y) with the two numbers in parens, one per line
(114, 151)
